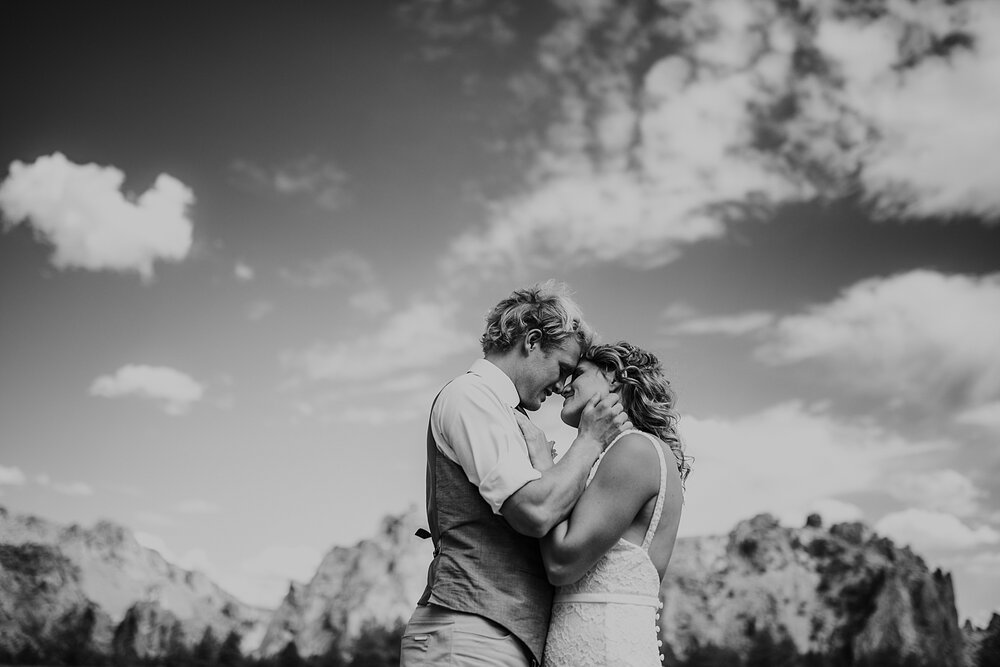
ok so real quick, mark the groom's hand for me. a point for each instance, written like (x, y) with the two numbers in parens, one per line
(603, 419)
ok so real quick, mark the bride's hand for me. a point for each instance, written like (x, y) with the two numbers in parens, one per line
(540, 450)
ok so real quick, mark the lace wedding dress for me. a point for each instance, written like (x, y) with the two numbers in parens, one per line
(610, 616)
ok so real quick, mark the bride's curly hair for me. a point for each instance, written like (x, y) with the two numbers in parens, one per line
(646, 394)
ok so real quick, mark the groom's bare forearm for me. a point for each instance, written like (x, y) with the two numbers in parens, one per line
(542, 503)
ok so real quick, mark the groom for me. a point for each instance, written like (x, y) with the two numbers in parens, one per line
(487, 599)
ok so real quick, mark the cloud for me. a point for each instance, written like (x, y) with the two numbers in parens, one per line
(68, 489)
(987, 416)
(937, 490)
(74, 489)
(243, 272)
(258, 310)
(731, 325)
(919, 75)
(322, 182)
(343, 269)
(197, 506)
(929, 530)
(175, 391)
(11, 476)
(378, 415)
(920, 337)
(80, 210)
(784, 460)
(667, 125)
(415, 338)
(443, 23)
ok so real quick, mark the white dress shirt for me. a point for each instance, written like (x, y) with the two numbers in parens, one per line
(473, 424)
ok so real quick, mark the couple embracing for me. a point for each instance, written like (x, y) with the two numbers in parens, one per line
(539, 562)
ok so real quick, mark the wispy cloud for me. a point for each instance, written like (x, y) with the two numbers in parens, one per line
(11, 476)
(987, 416)
(173, 390)
(445, 23)
(936, 490)
(921, 337)
(732, 325)
(918, 338)
(92, 225)
(668, 125)
(258, 310)
(927, 530)
(417, 337)
(65, 488)
(345, 269)
(243, 272)
(322, 182)
(786, 460)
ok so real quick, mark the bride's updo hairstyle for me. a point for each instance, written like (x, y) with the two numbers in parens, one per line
(545, 306)
(645, 393)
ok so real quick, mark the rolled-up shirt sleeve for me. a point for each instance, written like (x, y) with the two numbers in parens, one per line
(479, 433)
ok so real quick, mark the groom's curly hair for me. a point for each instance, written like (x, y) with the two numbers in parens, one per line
(545, 306)
(645, 392)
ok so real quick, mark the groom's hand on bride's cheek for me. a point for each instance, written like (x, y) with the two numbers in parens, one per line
(603, 418)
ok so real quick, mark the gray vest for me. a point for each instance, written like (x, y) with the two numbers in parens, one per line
(481, 565)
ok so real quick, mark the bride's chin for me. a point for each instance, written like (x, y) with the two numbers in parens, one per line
(570, 419)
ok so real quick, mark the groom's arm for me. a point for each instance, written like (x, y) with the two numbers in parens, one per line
(535, 508)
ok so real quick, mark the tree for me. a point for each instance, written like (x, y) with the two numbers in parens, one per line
(230, 654)
(377, 646)
(712, 656)
(989, 650)
(207, 650)
(177, 653)
(765, 652)
(289, 656)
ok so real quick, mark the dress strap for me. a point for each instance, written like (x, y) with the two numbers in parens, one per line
(654, 522)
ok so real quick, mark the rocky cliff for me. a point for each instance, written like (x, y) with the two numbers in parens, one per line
(840, 592)
(843, 592)
(376, 581)
(99, 578)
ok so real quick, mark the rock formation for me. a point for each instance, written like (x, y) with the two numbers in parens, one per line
(375, 582)
(52, 572)
(841, 592)
(842, 595)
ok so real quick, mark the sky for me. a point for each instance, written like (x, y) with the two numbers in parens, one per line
(244, 244)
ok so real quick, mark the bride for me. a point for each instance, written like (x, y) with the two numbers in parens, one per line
(608, 557)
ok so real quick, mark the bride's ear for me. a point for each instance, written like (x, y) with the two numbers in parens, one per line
(613, 383)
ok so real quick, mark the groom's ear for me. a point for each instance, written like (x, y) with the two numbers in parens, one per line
(532, 339)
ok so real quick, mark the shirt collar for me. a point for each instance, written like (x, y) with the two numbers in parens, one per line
(497, 381)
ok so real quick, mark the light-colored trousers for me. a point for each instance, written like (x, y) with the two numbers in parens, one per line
(436, 635)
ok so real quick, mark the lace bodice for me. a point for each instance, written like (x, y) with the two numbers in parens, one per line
(609, 616)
